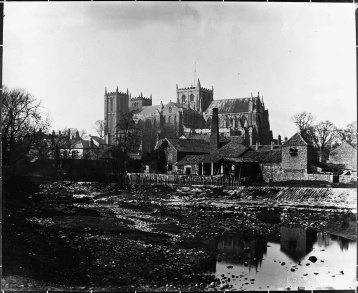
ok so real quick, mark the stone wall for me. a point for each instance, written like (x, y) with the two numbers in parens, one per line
(274, 172)
(296, 162)
(348, 178)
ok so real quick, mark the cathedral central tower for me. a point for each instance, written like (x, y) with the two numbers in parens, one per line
(196, 98)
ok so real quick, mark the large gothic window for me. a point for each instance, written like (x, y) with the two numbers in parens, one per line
(111, 104)
(183, 98)
(191, 98)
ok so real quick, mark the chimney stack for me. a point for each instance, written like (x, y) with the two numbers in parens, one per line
(279, 139)
(158, 136)
(214, 138)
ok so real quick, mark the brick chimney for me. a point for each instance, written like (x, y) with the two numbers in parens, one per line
(214, 138)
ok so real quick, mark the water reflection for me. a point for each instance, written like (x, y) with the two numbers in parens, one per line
(296, 243)
(278, 265)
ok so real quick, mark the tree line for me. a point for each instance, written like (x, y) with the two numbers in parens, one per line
(324, 135)
(25, 135)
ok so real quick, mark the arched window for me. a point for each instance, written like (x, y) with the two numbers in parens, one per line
(170, 110)
(183, 98)
(169, 119)
(191, 98)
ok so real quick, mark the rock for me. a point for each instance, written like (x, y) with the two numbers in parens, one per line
(342, 272)
(229, 267)
(246, 264)
(292, 270)
(312, 258)
(283, 263)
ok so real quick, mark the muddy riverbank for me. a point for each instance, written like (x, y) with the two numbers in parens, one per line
(91, 236)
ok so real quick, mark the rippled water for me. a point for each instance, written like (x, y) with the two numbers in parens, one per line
(261, 265)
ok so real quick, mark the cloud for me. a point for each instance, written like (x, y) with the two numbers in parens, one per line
(135, 15)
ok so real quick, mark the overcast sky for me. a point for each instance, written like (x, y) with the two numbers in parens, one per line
(300, 57)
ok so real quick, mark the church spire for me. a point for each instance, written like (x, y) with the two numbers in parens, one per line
(199, 85)
(117, 89)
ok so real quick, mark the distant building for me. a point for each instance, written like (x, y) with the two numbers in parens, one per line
(189, 115)
(344, 154)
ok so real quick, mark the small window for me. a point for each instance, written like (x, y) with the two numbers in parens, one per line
(293, 151)
(170, 109)
(170, 167)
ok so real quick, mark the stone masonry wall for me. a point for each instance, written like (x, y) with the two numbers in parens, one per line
(274, 172)
(299, 162)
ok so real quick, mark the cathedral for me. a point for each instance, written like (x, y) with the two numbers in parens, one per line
(189, 116)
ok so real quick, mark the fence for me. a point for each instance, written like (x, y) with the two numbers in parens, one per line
(184, 180)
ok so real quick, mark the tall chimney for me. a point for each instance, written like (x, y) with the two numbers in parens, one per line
(279, 140)
(214, 138)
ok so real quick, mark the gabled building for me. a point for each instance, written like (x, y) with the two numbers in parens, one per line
(344, 154)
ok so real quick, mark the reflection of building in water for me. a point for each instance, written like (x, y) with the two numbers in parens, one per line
(208, 265)
(325, 239)
(296, 243)
(343, 242)
(236, 250)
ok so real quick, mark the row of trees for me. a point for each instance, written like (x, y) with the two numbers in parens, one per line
(324, 135)
(25, 130)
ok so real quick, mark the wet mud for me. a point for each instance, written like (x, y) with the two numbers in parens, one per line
(92, 236)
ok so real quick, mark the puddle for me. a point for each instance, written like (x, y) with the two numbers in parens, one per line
(302, 258)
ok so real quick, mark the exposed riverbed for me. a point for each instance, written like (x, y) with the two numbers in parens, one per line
(91, 236)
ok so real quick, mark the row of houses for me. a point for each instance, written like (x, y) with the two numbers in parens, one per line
(69, 145)
(295, 159)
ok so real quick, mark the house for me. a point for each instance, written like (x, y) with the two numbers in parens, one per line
(344, 154)
(176, 149)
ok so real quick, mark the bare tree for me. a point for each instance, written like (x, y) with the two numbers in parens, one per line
(347, 134)
(304, 123)
(325, 132)
(99, 127)
(22, 124)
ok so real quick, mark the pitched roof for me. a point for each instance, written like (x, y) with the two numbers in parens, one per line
(206, 137)
(271, 156)
(261, 148)
(231, 105)
(236, 139)
(296, 140)
(98, 139)
(232, 149)
(194, 159)
(190, 145)
(147, 110)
